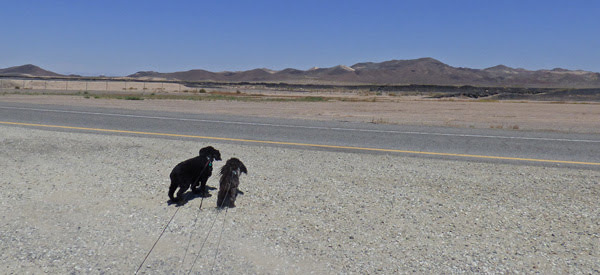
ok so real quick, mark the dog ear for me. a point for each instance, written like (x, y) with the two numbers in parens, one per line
(243, 168)
(206, 150)
(225, 169)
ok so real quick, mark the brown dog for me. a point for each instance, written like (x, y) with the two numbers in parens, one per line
(229, 182)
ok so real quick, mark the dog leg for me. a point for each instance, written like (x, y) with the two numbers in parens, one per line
(172, 189)
(197, 190)
(220, 198)
(203, 190)
(195, 187)
(232, 197)
(182, 188)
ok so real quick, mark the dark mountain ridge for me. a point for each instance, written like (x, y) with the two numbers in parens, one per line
(27, 70)
(422, 71)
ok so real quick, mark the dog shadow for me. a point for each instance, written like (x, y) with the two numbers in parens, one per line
(189, 195)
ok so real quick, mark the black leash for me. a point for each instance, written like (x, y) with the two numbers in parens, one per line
(208, 234)
(209, 162)
(192, 231)
(161, 234)
(219, 242)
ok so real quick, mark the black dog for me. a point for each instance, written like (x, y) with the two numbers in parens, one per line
(191, 172)
(229, 182)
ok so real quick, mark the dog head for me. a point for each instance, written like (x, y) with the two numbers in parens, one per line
(234, 165)
(211, 153)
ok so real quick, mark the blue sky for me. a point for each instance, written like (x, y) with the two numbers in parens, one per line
(122, 37)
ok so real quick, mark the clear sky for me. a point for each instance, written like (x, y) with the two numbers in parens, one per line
(91, 37)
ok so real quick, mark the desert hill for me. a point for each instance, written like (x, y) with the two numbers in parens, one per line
(422, 71)
(27, 70)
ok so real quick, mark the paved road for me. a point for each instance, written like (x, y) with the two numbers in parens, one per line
(536, 148)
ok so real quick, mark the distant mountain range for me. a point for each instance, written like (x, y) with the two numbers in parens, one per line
(27, 70)
(423, 71)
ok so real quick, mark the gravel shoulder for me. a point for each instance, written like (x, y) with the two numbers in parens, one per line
(95, 203)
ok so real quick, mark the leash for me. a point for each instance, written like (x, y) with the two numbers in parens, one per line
(190, 240)
(223, 225)
(208, 234)
(159, 236)
(219, 242)
(203, 243)
(208, 163)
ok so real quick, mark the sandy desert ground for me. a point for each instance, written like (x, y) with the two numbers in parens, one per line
(95, 204)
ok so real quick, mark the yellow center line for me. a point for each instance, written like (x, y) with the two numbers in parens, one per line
(302, 144)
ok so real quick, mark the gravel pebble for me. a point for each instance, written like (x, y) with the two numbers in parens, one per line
(92, 203)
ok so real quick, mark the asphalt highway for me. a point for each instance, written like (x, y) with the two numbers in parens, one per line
(462, 144)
